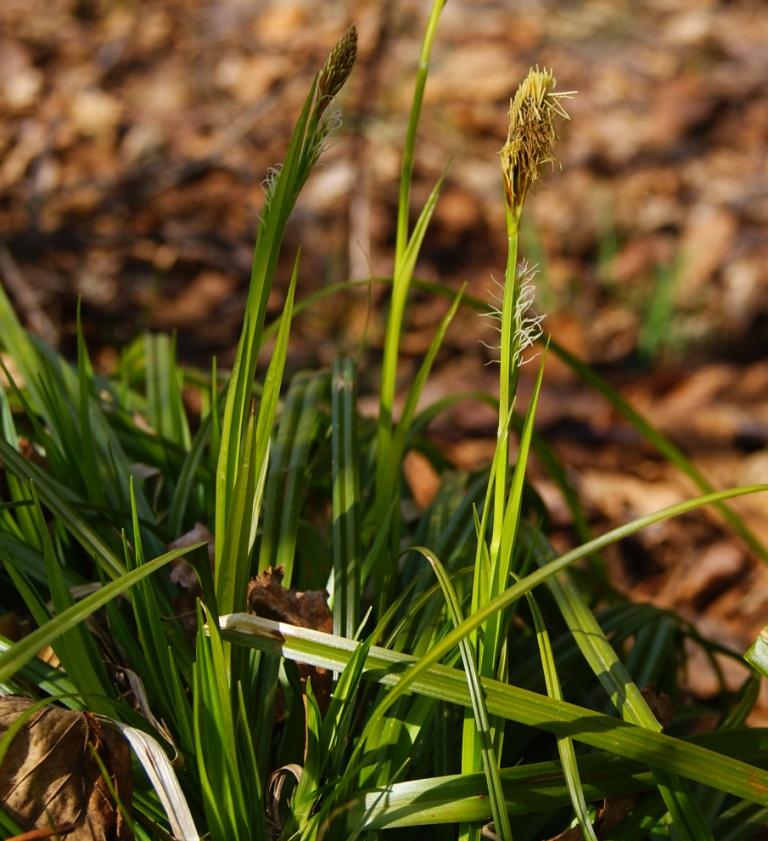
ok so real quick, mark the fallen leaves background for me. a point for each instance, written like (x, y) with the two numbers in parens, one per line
(134, 139)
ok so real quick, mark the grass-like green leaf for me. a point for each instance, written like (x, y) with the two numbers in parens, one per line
(24, 650)
(533, 787)
(564, 745)
(237, 532)
(346, 502)
(676, 756)
(622, 690)
(757, 654)
(479, 710)
(289, 471)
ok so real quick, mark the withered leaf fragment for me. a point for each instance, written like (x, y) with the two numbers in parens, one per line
(268, 598)
(49, 778)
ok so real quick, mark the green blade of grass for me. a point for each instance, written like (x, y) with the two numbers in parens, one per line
(298, 473)
(623, 692)
(54, 393)
(24, 650)
(30, 561)
(303, 151)
(77, 649)
(165, 650)
(347, 578)
(279, 456)
(742, 822)
(513, 593)
(413, 125)
(268, 241)
(63, 503)
(90, 470)
(757, 654)
(407, 247)
(405, 423)
(308, 787)
(231, 813)
(165, 406)
(493, 639)
(188, 476)
(400, 287)
(539, 786)
(502, 826)
(564, 745)
(43, 676)
(243, 502)
(507, 538)
(289, 472)
(389, 467)
(677, 756)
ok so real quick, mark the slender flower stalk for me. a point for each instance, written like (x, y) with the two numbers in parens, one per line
(282, 187)
(528, 148)
(407, 244)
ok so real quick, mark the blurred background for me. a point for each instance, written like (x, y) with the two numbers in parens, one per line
(135, 137)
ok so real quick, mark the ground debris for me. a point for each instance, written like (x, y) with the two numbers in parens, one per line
(49, 778)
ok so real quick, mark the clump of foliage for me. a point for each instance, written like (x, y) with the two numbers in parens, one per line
(480, 684)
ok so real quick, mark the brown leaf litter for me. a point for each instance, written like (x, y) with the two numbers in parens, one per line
(51, 781)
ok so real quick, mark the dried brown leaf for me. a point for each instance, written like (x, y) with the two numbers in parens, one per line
(182, 572)
(268, 598)
(49, 777)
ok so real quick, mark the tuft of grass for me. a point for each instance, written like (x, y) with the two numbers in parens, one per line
(475, 684)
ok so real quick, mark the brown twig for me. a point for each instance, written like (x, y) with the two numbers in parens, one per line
(44, 832)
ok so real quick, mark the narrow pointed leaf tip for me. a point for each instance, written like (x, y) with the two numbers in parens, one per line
(531, 134)
(337, 68)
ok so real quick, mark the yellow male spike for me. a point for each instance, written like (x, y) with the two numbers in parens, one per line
(531, 134)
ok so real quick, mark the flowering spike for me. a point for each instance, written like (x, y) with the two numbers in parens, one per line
(531, 134)
(337, 68)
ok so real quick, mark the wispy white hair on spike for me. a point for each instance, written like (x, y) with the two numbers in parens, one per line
(269, 183)
(529, 328)
(330, 125)
(528, 322)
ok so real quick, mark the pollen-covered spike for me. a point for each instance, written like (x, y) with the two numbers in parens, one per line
(531, 134)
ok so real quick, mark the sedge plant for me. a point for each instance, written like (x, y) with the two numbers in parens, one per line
(469, 682)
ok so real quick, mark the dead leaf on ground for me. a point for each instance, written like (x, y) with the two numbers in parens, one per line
(49, 777)
(573, 834)
(660, 703)
(609, 815)
(612, 812)
(422, 478)
(182, 572)
(268, 598)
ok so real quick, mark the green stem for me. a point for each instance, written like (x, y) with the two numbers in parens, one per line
(406, 171)
(490, 648)
(509, 363)
(400, 278)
